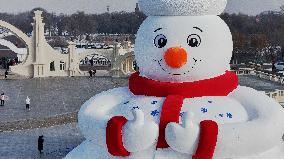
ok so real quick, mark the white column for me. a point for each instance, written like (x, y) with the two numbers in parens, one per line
(39, 38)
(72, 60)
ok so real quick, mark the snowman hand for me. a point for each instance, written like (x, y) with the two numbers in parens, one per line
(138, 134)
(183, 137)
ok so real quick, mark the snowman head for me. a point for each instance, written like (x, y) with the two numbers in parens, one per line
(185, 47)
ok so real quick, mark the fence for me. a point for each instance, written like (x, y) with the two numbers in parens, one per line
(278, 95)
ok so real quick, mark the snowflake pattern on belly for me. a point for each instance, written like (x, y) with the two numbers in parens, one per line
(229, 115)
(203, 110)
(134, 108)
(155, 113)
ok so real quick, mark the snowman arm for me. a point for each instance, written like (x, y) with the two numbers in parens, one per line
(114, 136)
(261, 132)
(94, 114)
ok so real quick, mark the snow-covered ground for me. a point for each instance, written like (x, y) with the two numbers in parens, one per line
(59, 140)
(51, 96)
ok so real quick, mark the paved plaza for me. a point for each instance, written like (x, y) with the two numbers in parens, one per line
(50, 97)
(55, 101)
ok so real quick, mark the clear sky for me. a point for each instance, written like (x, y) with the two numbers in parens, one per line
(99, 6)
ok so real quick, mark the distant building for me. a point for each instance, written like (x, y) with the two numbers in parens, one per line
(108, 9)
(137, 9)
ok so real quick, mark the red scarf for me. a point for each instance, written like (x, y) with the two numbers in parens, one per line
(175, 93)
(218, 86)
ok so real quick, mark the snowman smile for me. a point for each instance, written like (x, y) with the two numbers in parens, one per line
(172, 73)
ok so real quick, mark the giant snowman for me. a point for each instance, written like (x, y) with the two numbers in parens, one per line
(184, 103)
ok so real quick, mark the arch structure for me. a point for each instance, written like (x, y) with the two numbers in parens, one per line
(105, 53)
(95, 60)
(13, 47)
(40, 55)
(127, 63)
(44, 61)
(123, 61)
(78, 55)
(118, 57)
(19, 34)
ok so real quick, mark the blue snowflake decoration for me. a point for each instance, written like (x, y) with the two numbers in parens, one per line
(126, 102)
(230, 115)
(154, 102)
(137, 107)
(204, 110)
(155, 113)
(181, 114)
(221, 115)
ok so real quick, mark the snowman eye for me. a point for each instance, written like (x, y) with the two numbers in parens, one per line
(160, 41)
(193, 40)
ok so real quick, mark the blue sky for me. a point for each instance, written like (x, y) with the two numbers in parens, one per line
(99, 6)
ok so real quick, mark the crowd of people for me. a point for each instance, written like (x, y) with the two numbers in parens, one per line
(6, 63)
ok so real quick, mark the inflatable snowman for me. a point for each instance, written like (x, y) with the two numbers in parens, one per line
(184, 103)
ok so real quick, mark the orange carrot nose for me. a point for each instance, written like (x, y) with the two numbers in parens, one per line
(175, 57)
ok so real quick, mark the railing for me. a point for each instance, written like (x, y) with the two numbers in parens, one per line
(278, 95)
(244, 72)
(269, 76)
(274, 77)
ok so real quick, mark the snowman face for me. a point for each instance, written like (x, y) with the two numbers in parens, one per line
(183, 48)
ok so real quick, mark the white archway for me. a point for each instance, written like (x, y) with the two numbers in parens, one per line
(107, 53)
(16, 31)
(19, 34)
(13, 47)
(40, 54)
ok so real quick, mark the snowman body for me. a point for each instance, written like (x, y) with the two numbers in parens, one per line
(178, 49)
(222, 109)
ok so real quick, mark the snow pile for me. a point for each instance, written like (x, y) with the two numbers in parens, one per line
(182, 7)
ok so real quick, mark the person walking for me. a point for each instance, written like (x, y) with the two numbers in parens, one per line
(6, 74)
(92, 62)
(28, 102)
(2, 99)
(273, 66)
(94, 72)
(40, 144)
(91, 73)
